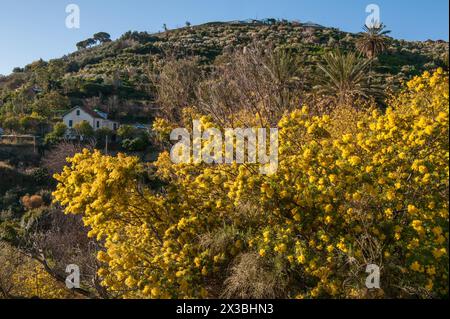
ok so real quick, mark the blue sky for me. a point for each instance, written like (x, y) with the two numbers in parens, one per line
(33, 29)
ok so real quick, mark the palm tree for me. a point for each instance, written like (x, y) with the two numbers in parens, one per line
(374, 41)
(345, 78)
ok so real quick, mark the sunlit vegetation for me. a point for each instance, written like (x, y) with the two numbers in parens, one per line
(362, 176)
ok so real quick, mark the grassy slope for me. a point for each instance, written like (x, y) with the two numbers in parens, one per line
(121, 68)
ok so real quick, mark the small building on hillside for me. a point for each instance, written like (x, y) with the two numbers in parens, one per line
(310, 24)
(95, 118)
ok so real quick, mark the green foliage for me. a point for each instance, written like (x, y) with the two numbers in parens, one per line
(133, 139)
(102, 132)
(50, 103)
(374, 41)
(34, 124)
(344, 78)
(127, 131)
(39, 176)
(10, 123)
(136, 144)
(84, 129)
(102, 37)
(59, 130)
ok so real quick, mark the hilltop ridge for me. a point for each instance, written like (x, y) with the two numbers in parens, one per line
(117, 75)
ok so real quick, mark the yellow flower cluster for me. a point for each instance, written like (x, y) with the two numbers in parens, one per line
(342, 198)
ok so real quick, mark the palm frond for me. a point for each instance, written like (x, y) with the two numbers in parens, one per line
(345, 77)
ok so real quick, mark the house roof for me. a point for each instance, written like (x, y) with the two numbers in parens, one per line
(101, 114)
(93, 113)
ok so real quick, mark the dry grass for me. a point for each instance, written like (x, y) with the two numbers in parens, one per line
(5, 165)
(219, 241)
(252, 278)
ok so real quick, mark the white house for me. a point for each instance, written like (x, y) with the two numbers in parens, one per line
(95, 118)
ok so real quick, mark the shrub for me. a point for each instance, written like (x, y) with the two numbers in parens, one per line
(59, 130)
(135, 144)
(32, 202)
(373, 194)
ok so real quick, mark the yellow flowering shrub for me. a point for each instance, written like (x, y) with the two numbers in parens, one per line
(376, 193)
(23, 277)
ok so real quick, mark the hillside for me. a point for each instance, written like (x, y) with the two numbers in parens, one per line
(356, 178)
(118, 76)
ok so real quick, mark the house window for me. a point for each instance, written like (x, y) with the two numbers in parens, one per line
(70, 123)
(78, 112)
(115, 126)
(98, 124)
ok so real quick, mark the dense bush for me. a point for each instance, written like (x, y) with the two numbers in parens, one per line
(372, 191)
